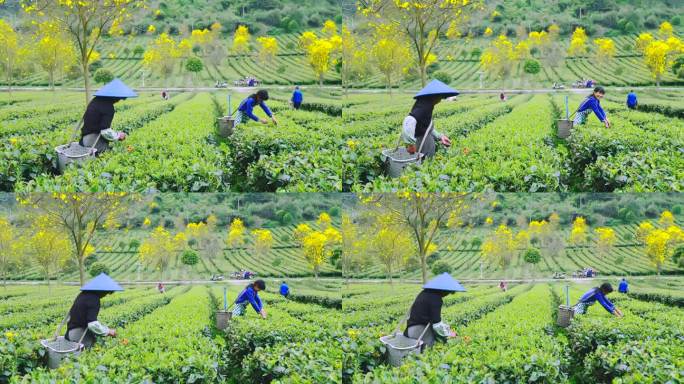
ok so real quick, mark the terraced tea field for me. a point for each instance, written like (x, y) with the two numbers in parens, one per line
(512, 334)
(173, 146)
(170, 338)
(512, 146)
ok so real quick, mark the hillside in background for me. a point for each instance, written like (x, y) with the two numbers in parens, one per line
(119, 250)
(262, 16)
(598, 17)
(458, 60)
(461, 248)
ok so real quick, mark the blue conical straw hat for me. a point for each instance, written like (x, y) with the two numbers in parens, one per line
(102, 282)
(116, 88)
(435, 88)
(444, 282)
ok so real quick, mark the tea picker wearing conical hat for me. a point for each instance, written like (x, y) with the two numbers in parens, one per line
(99, 114)
(426, 310)
(418, 125)
(83, 313)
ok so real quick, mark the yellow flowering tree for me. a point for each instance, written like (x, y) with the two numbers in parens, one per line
(659, 55)
(657, 247)
(643, 231)
(522, 239)
(10, 258)
(53, 51)
(268, 48)
(539, 39)
(391, 247)
(666, 219)
(79, 216)
(423, 23)
(159, 248)
(540, 231)
(324, 220)
(236, 234)
(241, 40)
(420, 215)
(354, 246)
(12, 52)
(319, 53)
(85, 22)
(643, 40)
(579, 231)
(499, 247)
(202, 38)
(49, 248)
(496, 59)
(665, 30)
(161, 55)
(389, 53)
(578, 42)
(300, 232)
(605, 50)
(605, 240)
(318, 246)
(306, 39)
(263, 242)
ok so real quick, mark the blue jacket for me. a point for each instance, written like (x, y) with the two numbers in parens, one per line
(594, 295)
(623, 287)
(631, 99)
(247, 107)
(284, 289)
(593, 103)
(297, 96)
(249, 294)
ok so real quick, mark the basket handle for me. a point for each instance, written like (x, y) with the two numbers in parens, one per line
(80, 341)
(402, 321)
(77, 128)
(423, 333)
(95, 142)
(59, 327)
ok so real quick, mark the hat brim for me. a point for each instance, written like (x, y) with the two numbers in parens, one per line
(442, 95)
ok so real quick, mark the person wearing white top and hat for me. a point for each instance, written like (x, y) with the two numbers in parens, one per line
(418, 126)
(426, 310)
(97, 119)
(85, 309)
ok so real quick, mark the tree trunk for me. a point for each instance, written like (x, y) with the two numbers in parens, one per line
(423, 266)
(9, 79)
(320, 81)
(423, 73)
(86, 80)
(81, 270)
(52, 80)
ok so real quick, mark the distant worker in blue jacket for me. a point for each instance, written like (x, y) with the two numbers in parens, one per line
(246, 108)
(592, 103)
(594, 295)
(250, 295)
(297, 98)
(623, 287)
(284, 289)
(632, 100)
